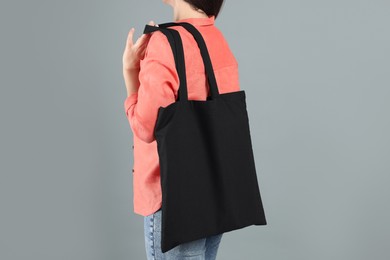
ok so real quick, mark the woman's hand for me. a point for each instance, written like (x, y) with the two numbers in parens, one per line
(132, 55)
(134, 52)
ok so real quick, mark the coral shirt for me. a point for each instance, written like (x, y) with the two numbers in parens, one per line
(159, 83)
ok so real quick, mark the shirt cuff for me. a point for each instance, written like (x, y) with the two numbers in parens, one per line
(130, 100)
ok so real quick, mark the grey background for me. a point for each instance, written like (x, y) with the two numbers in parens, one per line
(316, 74)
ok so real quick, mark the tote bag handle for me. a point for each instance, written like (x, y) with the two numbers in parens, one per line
(204, 52)
(178, 54)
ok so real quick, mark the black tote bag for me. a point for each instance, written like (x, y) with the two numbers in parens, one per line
(208, 175)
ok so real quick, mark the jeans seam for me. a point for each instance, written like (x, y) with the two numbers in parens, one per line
(152, 237)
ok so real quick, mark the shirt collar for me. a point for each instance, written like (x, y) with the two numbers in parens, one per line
(198, 21)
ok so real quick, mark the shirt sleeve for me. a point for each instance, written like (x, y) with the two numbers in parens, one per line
(158, 87)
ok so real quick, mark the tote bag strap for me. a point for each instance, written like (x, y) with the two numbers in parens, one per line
(203, 50)
(178, 53)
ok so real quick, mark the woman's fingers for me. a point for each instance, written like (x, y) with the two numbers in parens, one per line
(130, 37)
(141, 39)
(135, 51)
(144, 37)
(153, 23)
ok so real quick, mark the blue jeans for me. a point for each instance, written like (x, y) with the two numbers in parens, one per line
(202, 249)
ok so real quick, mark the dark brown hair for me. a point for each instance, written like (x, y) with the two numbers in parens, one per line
(210, 7)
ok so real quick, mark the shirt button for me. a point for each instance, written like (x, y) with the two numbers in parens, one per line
(133, 170)
(133, 146)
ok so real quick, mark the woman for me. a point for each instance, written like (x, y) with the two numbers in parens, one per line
(151, 81)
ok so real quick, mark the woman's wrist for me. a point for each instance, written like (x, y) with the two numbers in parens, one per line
(131, 80)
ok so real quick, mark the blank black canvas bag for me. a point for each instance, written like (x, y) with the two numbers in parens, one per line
(208, 176)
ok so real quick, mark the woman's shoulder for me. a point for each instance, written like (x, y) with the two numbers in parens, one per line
(158, 39)
(158, 47)
(211, 33)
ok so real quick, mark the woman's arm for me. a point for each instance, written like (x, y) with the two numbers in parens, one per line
(131, 81)
(153, 86)
(132, 55)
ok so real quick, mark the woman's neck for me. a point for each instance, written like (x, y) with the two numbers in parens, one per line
(184, 10)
